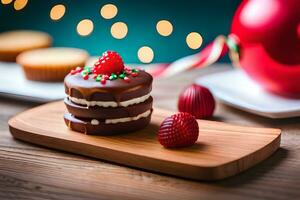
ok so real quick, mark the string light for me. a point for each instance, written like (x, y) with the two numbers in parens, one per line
(20, 4)
(108, 11)
(164, 27)
(194, 40)
(85, 27)
(6, 1)
(119, 30)
(145, 54)
(57, 12)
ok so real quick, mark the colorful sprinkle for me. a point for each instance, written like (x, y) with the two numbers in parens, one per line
(106, 77)
(79, 69)
(94, 72)
(122, 76)
(88, 69)
(98, 78)
(94, 76)
(127, 69)
(83, 73)
(103, 81)
(126, 79)
(73, 72)
(113, 76)
(134, 74)
(86, 77)
(134, 70)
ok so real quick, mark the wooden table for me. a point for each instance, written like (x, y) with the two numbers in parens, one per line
(31, 172)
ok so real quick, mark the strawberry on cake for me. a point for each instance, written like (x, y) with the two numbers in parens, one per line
(108, 98)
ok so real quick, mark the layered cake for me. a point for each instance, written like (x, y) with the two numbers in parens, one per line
(108, 98)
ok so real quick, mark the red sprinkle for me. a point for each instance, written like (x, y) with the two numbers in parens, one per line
(126, 79)
(78, 69)
(106, 77)
(103, 81)
(127, 69)
(73, 72)
(134, 74)
(95, 76)
(86, 77)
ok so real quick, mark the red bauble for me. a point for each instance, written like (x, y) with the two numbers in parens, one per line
(268, 32)
(178, 130)
(197, 100)
(110, 62)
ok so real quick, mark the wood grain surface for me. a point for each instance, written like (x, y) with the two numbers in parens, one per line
(222, 150)
(32, 172)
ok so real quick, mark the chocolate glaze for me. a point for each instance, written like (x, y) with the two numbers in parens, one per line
(84, 126)
(96, 112)
(116, 90)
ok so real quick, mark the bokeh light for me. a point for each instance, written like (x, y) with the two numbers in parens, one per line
(194, 40)
(20, 4)
(145, 54)
(57, 12)
(6, 1)
(85, 27)
(164, 27)
(119, 30)
(109, 11)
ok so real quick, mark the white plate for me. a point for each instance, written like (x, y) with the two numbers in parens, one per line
(235, 88)
(14, 84)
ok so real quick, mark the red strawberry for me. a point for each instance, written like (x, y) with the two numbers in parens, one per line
(178, 130)
(197, 100)
(109, 62)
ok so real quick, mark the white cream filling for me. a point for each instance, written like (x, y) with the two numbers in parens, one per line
(125, 119)
(94, 122)
(110, 103)
(128, 119)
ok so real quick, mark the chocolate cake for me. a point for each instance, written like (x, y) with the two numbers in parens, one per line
(108, 98)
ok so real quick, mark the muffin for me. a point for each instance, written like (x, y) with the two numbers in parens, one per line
(12, 43)
(108, 98)
(51, 64)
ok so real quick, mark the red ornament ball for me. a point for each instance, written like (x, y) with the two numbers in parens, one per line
(110, 62)
(268, 36)
(178, 130)
(197, 100)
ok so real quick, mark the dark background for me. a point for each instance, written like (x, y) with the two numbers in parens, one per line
(208, 17)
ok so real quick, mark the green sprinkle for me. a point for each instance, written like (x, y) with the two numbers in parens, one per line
(113, 76)
(84, 72)
(135, 70)
(88, 69)
(122, 76)
(98, 78)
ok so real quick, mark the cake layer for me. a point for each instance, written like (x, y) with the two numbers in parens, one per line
(113, 90)
(96, 112)
(101, 128)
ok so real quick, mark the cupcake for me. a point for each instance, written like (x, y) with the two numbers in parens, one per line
(51, 64)
(108, 98)
(12, 43)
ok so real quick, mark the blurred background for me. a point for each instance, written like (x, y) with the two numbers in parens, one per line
(166, 29)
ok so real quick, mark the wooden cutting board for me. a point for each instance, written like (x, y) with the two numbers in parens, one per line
(222, 149)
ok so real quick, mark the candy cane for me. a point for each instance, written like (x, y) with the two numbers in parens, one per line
(209, 55)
